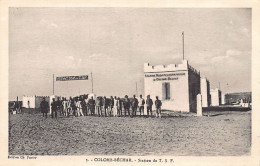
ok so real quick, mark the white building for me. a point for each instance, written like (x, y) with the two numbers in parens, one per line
(176, 85)
(205, 92)
(215, 97)
(34, 101)
(223, 98)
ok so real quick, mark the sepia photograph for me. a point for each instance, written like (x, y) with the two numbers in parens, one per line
(129, 81)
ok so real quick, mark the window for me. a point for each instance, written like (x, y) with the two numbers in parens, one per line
(166, 91)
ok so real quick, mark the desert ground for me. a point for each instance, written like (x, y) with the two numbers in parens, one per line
(224, 133)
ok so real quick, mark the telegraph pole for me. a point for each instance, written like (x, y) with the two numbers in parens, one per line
(91, 82)
(136, 89)
(53, 84)
(183, 45)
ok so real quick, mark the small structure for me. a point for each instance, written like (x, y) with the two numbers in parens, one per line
(215, 97)
(199, 105)
(33, 101)
(177, 85)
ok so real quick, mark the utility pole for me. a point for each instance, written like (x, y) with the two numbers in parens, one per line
(183, 45)
(53, 84)
(91, 82)
(136, 89)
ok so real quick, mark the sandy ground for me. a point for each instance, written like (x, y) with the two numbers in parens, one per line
(220, 133)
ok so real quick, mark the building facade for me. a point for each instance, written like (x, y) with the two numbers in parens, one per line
(215, 97)
(176, 85)
(34, 101)
(205, 92)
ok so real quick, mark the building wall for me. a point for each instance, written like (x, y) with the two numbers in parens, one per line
(31, 99)
(177, 76)
(222, 98)
(205, 92)
(35, 101)
(194, 88)
(215, 97)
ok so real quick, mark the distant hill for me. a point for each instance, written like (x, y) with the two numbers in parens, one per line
(231, 98)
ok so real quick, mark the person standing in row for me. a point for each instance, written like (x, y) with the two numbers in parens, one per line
(115, 107)
(98, 106)
(119, 106)
(127, 105)
(92, 105)
(84, 106)
(59, 106)
(64, 107)
(44, 107)
(69, 109)
(141, 103)
(158, 105)
(106, 104)
(54, 108)
(79, 106)
(134, 104)
(149, 104)
(111, 105)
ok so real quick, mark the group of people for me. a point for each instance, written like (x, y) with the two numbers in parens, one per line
(101, 106)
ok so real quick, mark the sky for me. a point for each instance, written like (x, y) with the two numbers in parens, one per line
(114, 44)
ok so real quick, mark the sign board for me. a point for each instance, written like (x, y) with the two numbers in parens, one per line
(71, 78)
(164, 76)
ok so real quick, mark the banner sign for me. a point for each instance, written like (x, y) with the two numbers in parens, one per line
(71, 78)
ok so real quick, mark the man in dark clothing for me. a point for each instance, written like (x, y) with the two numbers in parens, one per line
(134, 104)
(83, 105)
(111, 104)
(98, 106)
(59, 106)
(149, 104)
(105, 104)
(54, 108)
(158, 105)
(119, 106)
(127, 105)
(92, 105)
(44, 107)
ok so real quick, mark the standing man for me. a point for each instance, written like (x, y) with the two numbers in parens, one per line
(83, 104)
(92, 105)
(87, 105)
(141, 104)
(54, 108)
(28, 103)
(134, 104)
(149, 104)
(119, 106)
(158, 105)
(111, 104)
(44, 107)
(79, 107)
(59, 105)
(115, 106)
(64, 106)
(69, 109)
(98, 106)
(106, 104)
(127, 105)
